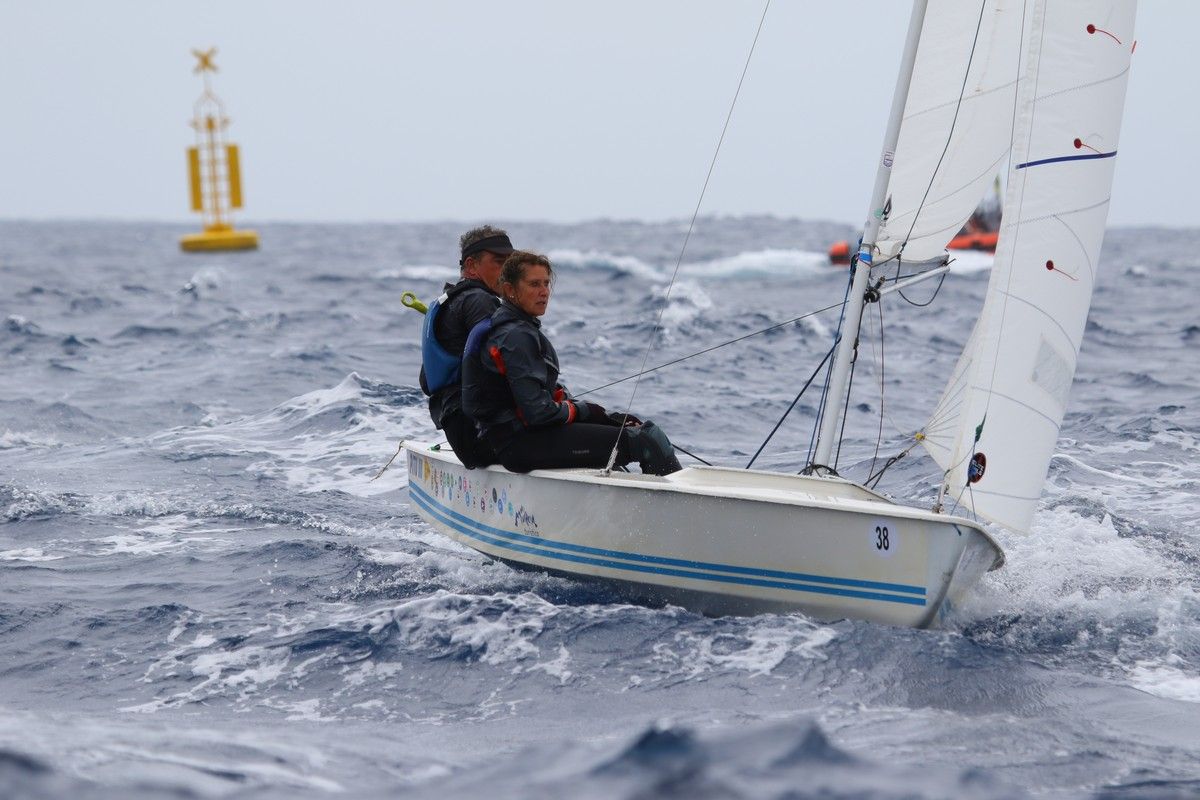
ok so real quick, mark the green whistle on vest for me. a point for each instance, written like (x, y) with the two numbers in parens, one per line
(409, 300)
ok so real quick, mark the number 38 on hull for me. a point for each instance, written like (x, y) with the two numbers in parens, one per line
(714, 540)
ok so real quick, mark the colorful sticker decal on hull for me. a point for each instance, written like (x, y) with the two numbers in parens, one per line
(459, 490)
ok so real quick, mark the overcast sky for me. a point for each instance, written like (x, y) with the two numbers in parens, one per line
(370, 110)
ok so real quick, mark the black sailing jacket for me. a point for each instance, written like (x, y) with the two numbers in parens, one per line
(513, 382)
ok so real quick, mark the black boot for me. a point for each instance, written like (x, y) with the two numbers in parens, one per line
(652, 449)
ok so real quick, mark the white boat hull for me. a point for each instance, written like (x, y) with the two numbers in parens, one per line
(718, 541)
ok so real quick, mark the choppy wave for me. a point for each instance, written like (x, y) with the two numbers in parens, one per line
(593, 260)
(419, 272)
(328, 439)
(759, 263)
(797, 264)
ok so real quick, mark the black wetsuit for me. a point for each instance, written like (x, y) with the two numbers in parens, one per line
(470, 302)
(511, 389)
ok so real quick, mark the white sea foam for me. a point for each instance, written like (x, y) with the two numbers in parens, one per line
(19, 324)
(772, 262)
(1078, 573)
(160, 533)
(556, 667)
(592, 260)
(499, 631)
(437, 273)
(686, 302)
(1166, 679)
(131, 544)
(207, 283)
(344, 455)
(756, 647)
(496, 638)
(1074, 564)
(24, 503)
(11, 440)
(28, 554)
(969, 262)
(221, 671)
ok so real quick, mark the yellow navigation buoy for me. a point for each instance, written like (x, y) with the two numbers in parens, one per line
(214, 172)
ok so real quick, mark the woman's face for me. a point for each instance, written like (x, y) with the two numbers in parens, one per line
(532, 292)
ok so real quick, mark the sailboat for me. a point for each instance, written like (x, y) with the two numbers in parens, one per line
(1038, 85)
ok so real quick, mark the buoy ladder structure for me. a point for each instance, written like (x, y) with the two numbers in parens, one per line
(214, 172)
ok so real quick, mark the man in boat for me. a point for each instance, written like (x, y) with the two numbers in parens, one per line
(511, 389)
(461, 307)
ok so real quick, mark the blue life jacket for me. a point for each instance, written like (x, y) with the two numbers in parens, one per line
(476, 338)
(442, 367)
(485, 393)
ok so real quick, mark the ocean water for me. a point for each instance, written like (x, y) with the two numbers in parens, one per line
(203, 593)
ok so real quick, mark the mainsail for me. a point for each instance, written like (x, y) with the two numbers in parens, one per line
(956, 130)
(996, 425)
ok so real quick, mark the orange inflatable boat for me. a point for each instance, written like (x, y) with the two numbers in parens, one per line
(839, 253)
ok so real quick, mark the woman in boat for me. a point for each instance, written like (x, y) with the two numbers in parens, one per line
(511, 390)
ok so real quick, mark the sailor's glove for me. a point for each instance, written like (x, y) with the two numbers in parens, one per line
(619, 418)
(591, 412)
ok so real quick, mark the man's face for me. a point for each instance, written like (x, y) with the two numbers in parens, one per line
(486, 267)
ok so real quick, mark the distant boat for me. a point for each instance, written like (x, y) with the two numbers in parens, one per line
(981, 231)
(970, 96)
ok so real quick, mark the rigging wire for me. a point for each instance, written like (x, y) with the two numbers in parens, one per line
(825, 389)
(846, 405)
(789, 408)
(873, 476)
(873, 479)
(681, 359)
(693, 455)
(879, 436)
(691, 225)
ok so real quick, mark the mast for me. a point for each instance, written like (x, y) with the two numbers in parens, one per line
(834, 404)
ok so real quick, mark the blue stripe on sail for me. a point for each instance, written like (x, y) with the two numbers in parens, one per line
(1084, 157)
(793, 581)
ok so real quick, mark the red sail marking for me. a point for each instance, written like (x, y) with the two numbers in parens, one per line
(1094, 29)
(1050, 266)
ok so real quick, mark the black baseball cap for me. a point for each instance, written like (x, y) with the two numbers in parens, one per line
(498, 244)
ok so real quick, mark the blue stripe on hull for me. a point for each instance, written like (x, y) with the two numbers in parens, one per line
(658, 565)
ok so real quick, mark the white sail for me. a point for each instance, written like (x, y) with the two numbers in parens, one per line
(956, 130)
(1005, 401)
